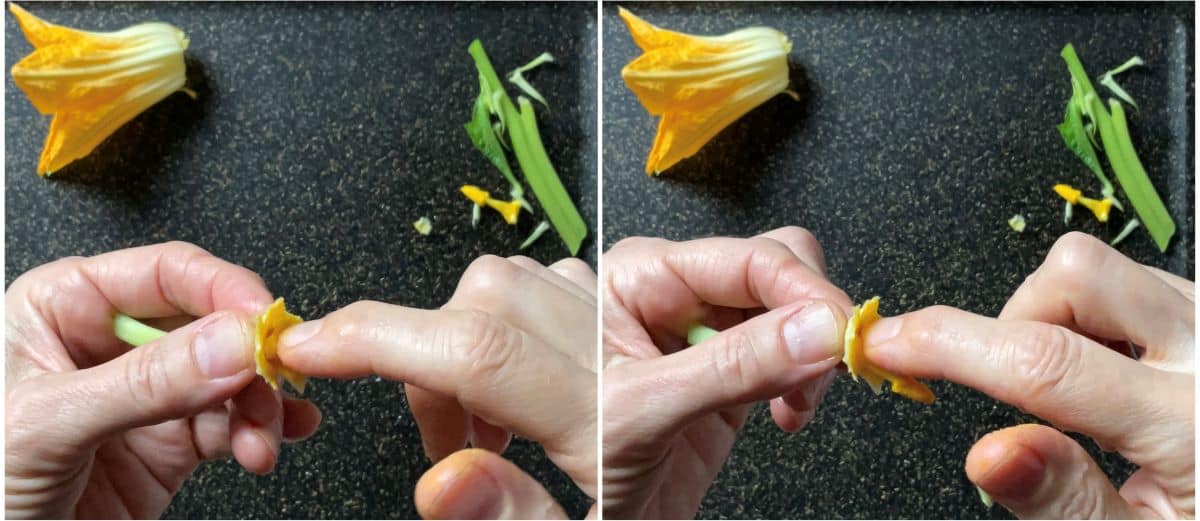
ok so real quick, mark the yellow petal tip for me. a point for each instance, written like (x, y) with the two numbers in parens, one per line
(854, 356)
(269, 326)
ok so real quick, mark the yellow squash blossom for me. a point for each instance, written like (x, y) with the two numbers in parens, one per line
(1099, 207)
(701, 84)
(92, 83)
(268, 327)
(858, 365)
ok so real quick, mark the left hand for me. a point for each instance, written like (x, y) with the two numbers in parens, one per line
(97, 429)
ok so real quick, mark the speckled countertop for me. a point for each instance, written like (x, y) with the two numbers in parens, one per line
(922, 129)
(322, 131)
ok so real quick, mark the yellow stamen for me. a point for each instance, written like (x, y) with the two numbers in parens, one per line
(268, 328)
(93, 83)
(1067, 192)
(477, 195)
(510, 210)
(1099, 208)
(701, 84)
(858, 365)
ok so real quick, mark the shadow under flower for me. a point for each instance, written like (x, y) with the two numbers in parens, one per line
(124, 163)
(738, 156)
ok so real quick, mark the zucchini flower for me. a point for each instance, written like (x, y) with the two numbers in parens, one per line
(701, 84)
(92, 83)
(1100, 208)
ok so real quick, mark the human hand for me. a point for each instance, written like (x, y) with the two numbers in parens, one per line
(96, 429)
(1061, 350)
(514, 350)
(671, 413)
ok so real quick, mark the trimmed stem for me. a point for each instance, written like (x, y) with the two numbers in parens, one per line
(135, 333)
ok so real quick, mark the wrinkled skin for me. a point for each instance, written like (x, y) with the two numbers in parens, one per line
(671, 414)
(96, 429)
(1060, 350)
(512, 352)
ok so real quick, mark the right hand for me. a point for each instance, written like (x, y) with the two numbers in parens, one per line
(672, 412)
(1047, 354)
(514, 350)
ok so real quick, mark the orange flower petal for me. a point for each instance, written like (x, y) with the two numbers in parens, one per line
(268, 328)
(859, 366)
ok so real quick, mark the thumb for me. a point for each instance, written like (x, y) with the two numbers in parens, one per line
(477, 484)
(1038, 472)
(759, 359)
(179, 375)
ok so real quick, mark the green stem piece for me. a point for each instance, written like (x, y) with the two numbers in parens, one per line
(699, 333)
(531, 154)
(135, 333)
(517, 77)
(1128, 229)
(535, 235)
(985, 497)
(1114, 134)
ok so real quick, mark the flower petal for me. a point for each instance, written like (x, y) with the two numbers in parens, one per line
(648, 36)
(74, 134)
(41, 33)
(682, 133)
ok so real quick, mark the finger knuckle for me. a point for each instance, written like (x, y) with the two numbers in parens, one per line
(483, 345)
(1044, 358)
(524, 259)
(184, 248)
(801, 239)
(486, 278)
(572, 264)
(1072, 255)
(347, 323)
(734, 363)
(1083, 504)
(928, 327)
(146, 379)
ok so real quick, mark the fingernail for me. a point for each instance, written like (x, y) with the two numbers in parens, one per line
(469, 492)
(299, 334)
(220, 347)
(811, 335)
(882, 331)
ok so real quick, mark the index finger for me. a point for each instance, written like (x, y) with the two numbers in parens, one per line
(1044, 369)
(495, 370)
(78, 297)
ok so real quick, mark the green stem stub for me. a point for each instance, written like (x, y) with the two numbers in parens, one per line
(699, 333)
(135, 333)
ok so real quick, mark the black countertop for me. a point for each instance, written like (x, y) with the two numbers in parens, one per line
(922, 129)
(322, 132)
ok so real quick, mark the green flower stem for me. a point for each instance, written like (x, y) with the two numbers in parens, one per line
(135, 333)
(699, 333)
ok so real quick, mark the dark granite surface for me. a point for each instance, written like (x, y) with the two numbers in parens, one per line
(923, 128)
(321, 133)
